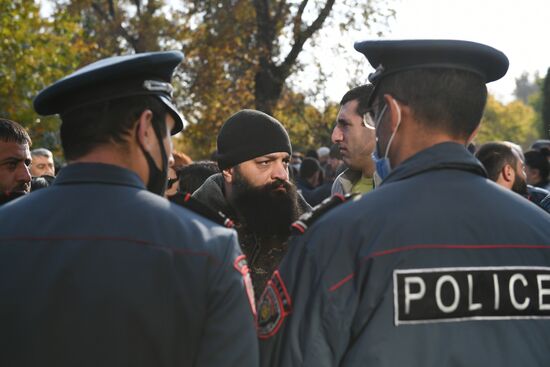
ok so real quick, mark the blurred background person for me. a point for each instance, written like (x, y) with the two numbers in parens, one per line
(310, 182)
(194, 175)
(322, 154)
(335, 165)
(504, 163)
(295, 162)
(537, 168)
(42, 163)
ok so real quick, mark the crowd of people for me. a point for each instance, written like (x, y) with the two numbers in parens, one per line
(401, 243)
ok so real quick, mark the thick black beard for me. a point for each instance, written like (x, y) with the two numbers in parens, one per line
(265, 211)
(520, 186)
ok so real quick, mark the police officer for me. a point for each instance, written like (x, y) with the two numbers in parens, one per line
(105, 272)
(438, 266)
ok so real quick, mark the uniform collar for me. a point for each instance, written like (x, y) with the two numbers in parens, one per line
(98, 173)
(446, 155)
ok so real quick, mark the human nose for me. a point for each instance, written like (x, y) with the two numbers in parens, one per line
(336, 136)
(24, 174)
(280, 171)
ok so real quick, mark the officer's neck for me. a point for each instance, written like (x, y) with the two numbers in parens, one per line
(114, 155)
(414, 138)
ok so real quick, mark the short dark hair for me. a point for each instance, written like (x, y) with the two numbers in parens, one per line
(537, 159)
(192, 176)
(494, 156)
(362, 94)
(11, 131)
(448, 100)
(86, 127)
(309, 167)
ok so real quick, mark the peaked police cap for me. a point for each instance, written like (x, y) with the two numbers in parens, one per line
(111, 78)
(394, 56)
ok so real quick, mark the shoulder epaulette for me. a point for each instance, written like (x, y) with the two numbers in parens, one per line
(187, 201)
(307, 219)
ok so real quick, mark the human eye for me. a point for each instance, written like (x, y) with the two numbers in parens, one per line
(12, 165)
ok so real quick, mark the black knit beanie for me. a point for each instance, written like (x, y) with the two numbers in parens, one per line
(249, 134)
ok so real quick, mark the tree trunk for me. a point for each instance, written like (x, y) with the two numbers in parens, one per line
(268, 89)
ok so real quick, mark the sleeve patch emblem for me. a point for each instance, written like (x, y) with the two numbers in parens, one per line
(275, 304)
(242, 267)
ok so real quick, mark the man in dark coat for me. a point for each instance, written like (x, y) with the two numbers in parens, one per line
(254, 189)
(99, 269)
(436, 267)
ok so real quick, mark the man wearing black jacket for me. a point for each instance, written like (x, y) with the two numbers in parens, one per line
(254, 189)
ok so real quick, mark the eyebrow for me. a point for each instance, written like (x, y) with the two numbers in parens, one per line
(342, 121)
(12, 158)
(272, 156)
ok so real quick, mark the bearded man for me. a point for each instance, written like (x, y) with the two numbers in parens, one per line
(505, 165)
(254, 189)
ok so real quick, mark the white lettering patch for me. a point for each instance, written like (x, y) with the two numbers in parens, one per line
(479, 293)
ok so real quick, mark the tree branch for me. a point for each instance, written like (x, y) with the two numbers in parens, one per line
(110, 19)
(298, 19)
(137, 3)
(302, 36)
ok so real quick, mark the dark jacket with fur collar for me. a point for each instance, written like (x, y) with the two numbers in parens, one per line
(263, 256)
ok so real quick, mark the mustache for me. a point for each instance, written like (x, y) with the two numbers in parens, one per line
(277, 183)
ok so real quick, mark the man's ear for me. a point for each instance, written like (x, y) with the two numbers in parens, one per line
(228, 174)
(508, 174)
(145, 134)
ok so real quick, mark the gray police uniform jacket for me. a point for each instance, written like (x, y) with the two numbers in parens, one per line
(438, 266)
(97, 271)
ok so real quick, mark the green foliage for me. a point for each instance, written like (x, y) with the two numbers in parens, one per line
(307, 127)
(241, 54)
(35, 52)
(514, 122)
(238, 53)
(218, 70)
(123, 26)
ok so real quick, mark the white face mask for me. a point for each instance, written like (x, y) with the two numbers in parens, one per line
(383, 165)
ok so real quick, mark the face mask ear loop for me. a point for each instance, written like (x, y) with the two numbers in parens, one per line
(396, 127)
